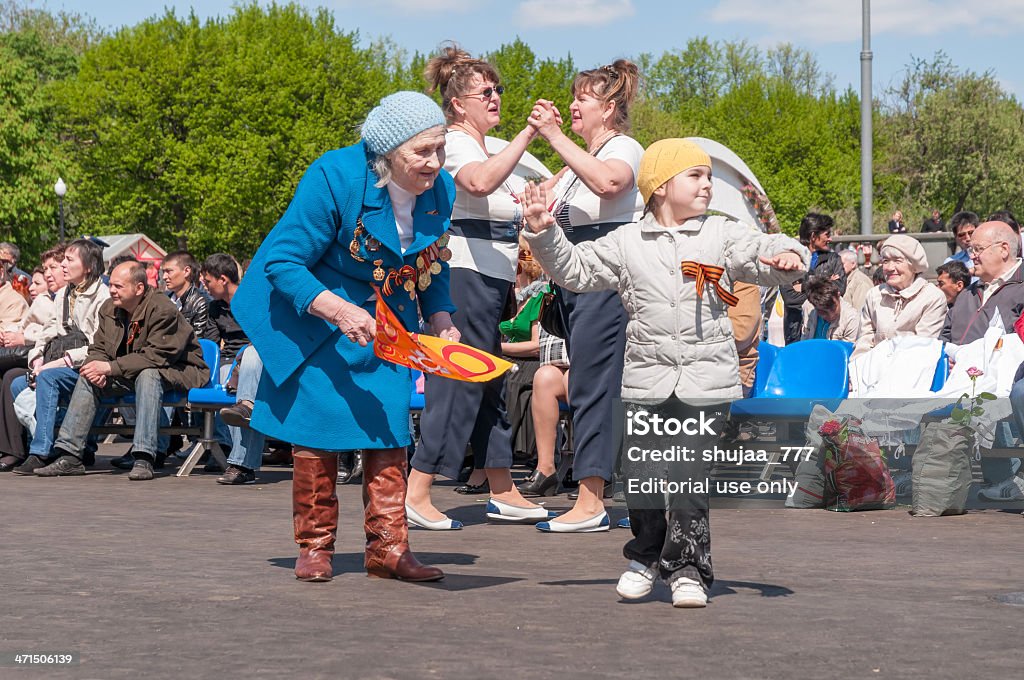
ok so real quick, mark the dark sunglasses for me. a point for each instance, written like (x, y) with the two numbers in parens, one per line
(487, 93)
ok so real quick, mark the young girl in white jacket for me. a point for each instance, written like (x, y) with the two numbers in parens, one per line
(679, 341)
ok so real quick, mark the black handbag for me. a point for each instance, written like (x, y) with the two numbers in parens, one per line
(552, 314)
(13, 357)
(73, 337)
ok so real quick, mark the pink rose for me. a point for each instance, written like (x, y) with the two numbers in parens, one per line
(974, 372)
(830, 428)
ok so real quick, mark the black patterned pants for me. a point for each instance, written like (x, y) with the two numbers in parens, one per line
(677, 540)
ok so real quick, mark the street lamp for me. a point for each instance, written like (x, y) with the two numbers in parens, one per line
(866, 175)
(60, 189)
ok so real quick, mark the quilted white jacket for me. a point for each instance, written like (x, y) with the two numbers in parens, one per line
(676, 343)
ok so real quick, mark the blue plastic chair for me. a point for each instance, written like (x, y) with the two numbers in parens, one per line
(209, 399)
(941, 371)
(211, 353)
(766, 354)
(802, 375)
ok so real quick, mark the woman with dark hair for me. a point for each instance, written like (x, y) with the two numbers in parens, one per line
(595, 195)
(62, 345)
(369, 216)
(815, 233)
(486, 221)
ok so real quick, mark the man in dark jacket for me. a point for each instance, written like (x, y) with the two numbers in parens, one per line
(996, 298)
(816, 234)
(143, 345)
(933, 223)
(998, 292)
(180, 275)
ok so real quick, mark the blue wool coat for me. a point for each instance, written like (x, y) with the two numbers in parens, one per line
(319, 389)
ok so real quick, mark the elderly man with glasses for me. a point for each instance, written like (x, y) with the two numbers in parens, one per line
(995, 298)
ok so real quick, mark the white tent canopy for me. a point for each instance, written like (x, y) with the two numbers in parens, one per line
(139, 246)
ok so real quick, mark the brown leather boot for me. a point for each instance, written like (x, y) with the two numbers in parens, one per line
(387, 533)
(315, 511)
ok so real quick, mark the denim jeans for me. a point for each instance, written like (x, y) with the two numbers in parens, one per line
(249, 370)
(53, 388)
(246, 443)
(149, 393)
(166, 414)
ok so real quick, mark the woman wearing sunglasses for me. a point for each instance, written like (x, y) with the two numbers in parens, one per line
(595, 196)
(486, 221)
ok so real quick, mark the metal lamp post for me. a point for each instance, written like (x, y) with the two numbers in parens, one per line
(866, 174)
(60, 189)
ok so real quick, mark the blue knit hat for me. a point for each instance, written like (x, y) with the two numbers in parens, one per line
(398, 118)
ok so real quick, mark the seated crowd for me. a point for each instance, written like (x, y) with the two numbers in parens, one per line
(76, 340)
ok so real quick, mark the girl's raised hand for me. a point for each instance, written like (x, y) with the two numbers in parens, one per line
(536, 199)
(785, 262)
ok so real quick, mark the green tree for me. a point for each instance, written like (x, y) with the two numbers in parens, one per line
(955, 140)
(197, 134)
(37, 51)
(804, 149)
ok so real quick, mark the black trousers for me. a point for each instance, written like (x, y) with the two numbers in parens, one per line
(459, 413)
(12, 434)
(519, 401)
(677, 540)
(596, 345)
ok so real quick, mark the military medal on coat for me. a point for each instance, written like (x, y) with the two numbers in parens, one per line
(428, 262)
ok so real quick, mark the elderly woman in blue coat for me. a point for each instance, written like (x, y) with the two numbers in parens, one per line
(372, 215)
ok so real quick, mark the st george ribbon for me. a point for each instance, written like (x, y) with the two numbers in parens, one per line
(430, 354)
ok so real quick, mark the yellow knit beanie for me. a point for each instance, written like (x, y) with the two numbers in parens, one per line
(665, 159)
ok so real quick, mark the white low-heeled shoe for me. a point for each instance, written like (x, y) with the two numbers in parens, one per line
(417, 520)
(503, 512)
(598, 522)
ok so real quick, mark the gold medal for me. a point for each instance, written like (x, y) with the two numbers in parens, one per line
(443, 241)
(353, 248)
(435, 268)
(445, 254)
(409, 286)
(378, 273)
(424, 280)
(420, 262)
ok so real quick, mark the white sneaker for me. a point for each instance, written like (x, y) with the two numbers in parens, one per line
(688, 593)
(636, 582)
(902, 481)
(1010, 489)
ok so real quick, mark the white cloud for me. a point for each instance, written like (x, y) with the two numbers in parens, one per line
(421, 6)
(557, 13)
(832, 21)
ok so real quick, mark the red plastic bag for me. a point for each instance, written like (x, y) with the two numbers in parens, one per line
(856, 475)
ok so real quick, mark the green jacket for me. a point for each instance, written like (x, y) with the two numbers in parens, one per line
(161, 338)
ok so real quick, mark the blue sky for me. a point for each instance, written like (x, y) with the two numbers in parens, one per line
(978, 36)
